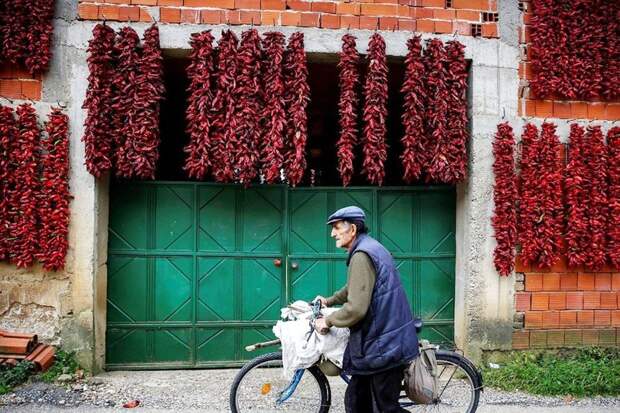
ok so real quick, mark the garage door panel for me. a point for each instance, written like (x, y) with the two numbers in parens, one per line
(308, 229)
(311, 278)
(172, 345)
(261, 210)
(173, 285)
(216, 289)
(438, 234)
(261, 290)
(397, 235)
(126, 346)
(174, 218)
(215, 344)
(255, 335)
(128, 218)
(437, 285)
(217, 218)
(127, 289)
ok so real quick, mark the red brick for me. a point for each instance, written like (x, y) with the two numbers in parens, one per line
(568, 281)
(145, 16)
(461, 28)
(300, 5)
(434, 3)
(573, 337)
(574, 300)
(561, 110)
(544, 108)
(249, 17)
(169, 2)
(530, 107)
(551, 319)
(270, 18)
(231, 17)
(585, 318)
(210, 16)
(291, 18)
(557, 301)
(615, 318)
(538, 339)
(540, 301)
(579, 110)
(608, 299)
(407, 25)
(131, 14)
(470, 4)
(31, 89)
(613, 111)
(533, 281)
(404, 11)
(388, 23)
(561, 265)
(88, 11)
(349, 22)
(220, 4)
(555, 338)
(170, 15)
(324, 7)
(145, 2)
(379, 9)
(109, 12)
(602, 318)
(420, 13)
(522, 301)
(310, 19)
(427, 26)
(519, 266)
(190, 15)
(597, 110)
(473, 16)
(369, 23)
(247, 4)
(615, 281)
(273, 4)
(330, 21)
(590, 337)
(591, 300)
(533, 319)
(568, 318)
(602, 282)
(443, 27)
(551, 282)
(489, 30)
(11, 89)
(348, 8)
(443, 14)
(585, 282)
(520, 340)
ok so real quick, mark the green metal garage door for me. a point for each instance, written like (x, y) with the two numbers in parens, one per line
(197, 271)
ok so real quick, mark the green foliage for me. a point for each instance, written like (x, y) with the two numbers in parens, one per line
(13, 376)
(580, 372)
(65, 363)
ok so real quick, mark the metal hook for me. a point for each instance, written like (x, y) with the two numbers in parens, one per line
(61, 105)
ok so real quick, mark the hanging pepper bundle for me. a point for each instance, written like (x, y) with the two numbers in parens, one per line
(551, 219)
(98, 134)
(414, 105)
(8, 138)
(611, 56)
(274, 115)
(24, 199)
(613, 231)
(54, 196)
(39, 36)
(296, 96)
(505, 196)
(144, 151)
(598, 205)
(248, 100)
(577, 186)
(224, 120)
(529, 212)
(348, 104)
(198, 115)
(436, 107)
(125, 102)
(450, 162)
(375, 111)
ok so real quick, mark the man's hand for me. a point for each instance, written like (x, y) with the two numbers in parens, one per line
(322, 299)
(320, 325)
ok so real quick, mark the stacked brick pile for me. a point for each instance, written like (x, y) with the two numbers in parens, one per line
(15, 347)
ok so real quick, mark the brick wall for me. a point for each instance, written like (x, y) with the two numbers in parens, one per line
(563, 109)
(18, 83)
(466, 17)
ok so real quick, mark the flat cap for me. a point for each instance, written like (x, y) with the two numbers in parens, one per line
(350, 213)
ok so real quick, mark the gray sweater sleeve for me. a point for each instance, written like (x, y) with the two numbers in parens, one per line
(360, 284)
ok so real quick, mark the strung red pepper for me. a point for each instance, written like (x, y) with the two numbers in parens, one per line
(577, 198)
(24, 206)
(249, 101)
(274, 115)
(296, 97)
(198, 115)
(375, 111)
(504, 196)
(55, 197)
(414, 106)
(596, 158)
(348, 106)
(529, 212)
(8, 139)
(98, 131)
(613, 224)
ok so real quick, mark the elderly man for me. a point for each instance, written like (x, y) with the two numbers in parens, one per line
(375, 308)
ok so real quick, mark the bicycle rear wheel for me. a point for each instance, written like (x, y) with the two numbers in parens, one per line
(459, 386)
(259, 383)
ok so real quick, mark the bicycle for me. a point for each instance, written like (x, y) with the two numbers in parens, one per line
(260, 386)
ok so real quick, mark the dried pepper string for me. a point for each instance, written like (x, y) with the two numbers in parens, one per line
(8, 139)
(348, 106)
(613, 231)
(529, 213)
(577, 187)
(598, 206)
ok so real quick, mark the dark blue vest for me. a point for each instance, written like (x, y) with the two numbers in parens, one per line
(386, 336)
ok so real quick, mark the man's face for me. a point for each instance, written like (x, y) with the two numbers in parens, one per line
(344, 234)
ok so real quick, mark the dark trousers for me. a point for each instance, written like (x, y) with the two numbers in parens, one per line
(375, 393)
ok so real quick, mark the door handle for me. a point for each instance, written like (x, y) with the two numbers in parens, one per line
(277, 262)
(294, 265)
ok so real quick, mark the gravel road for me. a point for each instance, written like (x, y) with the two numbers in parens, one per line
(207, 391)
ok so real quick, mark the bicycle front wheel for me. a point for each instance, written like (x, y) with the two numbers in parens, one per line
(259, 383)
(459, 386)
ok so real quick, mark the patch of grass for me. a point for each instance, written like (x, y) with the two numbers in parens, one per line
(13, 376)
(64, 363)
(580, 372)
